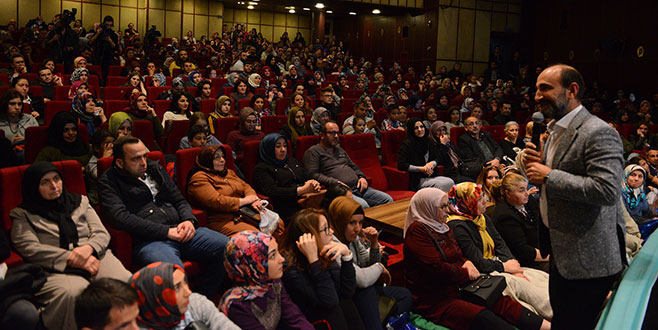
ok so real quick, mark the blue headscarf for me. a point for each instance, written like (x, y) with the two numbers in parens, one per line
(633, 196)
(266, 150)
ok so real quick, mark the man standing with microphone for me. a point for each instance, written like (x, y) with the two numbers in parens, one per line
(582, 228)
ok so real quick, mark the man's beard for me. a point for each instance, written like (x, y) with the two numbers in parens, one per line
(555, 109)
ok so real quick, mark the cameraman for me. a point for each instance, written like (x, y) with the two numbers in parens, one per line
(62, 40)
(105, 42)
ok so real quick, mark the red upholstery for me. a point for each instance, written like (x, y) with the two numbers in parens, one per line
(148, 79)
(249, 159)
(626, 129)
(161, 106)
(352, 93)
(192, 90)
(36, 138)
(271, 124)
(36, 90)
(223, 126)
(380, 116)
(217, 83)
(93, 81)
(175, 131)
(455, 133)
(347, 105)
(116, 93)
(11, 193)
(522, 117)
(302, 144)
(143, 130)
(391, 141)
(497, 132)
(242, 104)
(208, 106)
(281, 106)
(227, 90)
(153, 92)
(112, 106)
(361, 149)
(115, 81)
(62, 92)
(54, 107)
(342, 117)
(114, 70)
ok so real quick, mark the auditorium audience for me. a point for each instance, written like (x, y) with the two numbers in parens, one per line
(180, 108)
(37, 106)
(246, 132)
(139, 109)
(13, 121)
(478, 147)
(222, 110)
(320, 116)
(296, 126)
(64, 141)
(101, 142)
(84, 107)
(447, 154)
(198, 126)
(511, 141)
(487, 177)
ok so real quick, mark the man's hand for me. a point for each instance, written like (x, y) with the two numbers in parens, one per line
(536, 172)
(640, 132)
(362, 184)
(494, 162)
(186, 230)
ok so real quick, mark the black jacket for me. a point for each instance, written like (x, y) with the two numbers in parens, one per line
(280, 184)
(407, 157)
(468, 237)
(519, 232)
(129, 205)
(471, 153)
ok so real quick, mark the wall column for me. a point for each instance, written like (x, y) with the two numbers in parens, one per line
(318, 25)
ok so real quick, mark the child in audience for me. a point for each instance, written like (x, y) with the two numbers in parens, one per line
(393, 120)
(359, 125)
(102, 142)
(199, 124)
(487, 177)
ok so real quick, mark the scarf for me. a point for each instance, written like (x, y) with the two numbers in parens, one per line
(435, 127)
(56, 138)
(132, 105)
(316, 121)
(341, 211)
(218, 107)
(190, 78)
(79, 108)
(252, 80)
(74, 88)
(158, 308)
(58, 210)
(464, 198)
(244, 113)
(75, 76)
(296, 131)
(419, 145)
(266, 150)
(160, 78)
(231, 79)
(633, 196)
(116, 120)
(424, 208)
(246, 263)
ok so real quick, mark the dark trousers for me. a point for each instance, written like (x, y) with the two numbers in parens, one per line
(577, 303)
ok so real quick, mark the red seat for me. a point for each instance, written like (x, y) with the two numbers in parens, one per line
(303, 143)
(227, 90)
(117, 93)
(114, 70)
(192, 90)
(208, 106)
(148, 79)
(143, 130)
(153, 92)
(497, 132)
(161, 106)
(281, 106)
(352, 93)
(522, 117)
(36, 138)
(175, 131)
(185, 161)
(271, 124)
(391, 141)
(626, 129)
(223, 126)
(62, 92)
(217, 83)
(347, 105)
(342, 116)
(455, 133)
(36, 90)
(112, 106)
(363, 152)
(380, 116)
(54, 107)
(11, 194)
(242, 104)
(249, 159)
(115, 81)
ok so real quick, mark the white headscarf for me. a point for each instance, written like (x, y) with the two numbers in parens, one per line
(424, 208)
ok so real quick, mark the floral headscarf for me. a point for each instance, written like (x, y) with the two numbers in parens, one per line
(246, 262)
(190, 77)
(75, 76)
(158, 308)
(633, 196)
(465, 198)
(74, 88)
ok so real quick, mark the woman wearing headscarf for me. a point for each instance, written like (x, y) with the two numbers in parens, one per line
(320, 116)
(416, 157)
(84, 107)
(64, 141)
(435, 269)
(60, 231)
(167, 303)
(467, 106)
(254, 81)
(253, 263)
(193, 79)
(82, 74)
(633, 195)
(296, 126)
(281, 177)
(481, 243)
(139, 109)
(346, 218)
(246, 132)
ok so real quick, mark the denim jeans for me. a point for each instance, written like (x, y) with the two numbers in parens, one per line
(370, 197)
(206, 247)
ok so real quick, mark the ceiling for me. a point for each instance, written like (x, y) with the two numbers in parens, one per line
(339, 8)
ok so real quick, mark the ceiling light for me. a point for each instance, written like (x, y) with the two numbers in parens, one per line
(319, 5)
(330, 12)
(307, 9)
(352, 13)
(250, 7)
(292, 11)
(376, 11)
(253, 3)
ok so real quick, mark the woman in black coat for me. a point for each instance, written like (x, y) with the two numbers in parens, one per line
(445, 152)
(415, 157)
(280, 177)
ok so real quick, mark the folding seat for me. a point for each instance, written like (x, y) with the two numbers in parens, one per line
(160, 106)
(115, 81)
(175, 130)
(272, 124)
(117, 93)
(227, 90)
(54, 107)
(112, 106)
(281, 106)
(380, 116)
(36, 90)
(523, 116)
(208, 106)
(455, 133)
(390, 144)
(62, 92)
(260, 91)
(241, 104)
(114, 70)
(223, 126)
(347, 105)
(153, 92)
(363, 152)
(249, 159)
(143, 130)
(342, 117)
(497, 132)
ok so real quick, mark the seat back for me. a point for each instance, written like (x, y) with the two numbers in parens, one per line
(303, 143)
(497, 132)
(208, 106)
(54, 107)
(112, 106)
(117, 93)
(223, 126)
(106, 162)
(455, 133)
(271, 124)
(36, 138)
(62, 92)
(186, 160)
(363, 152)
(116, 81)
(281, 105)
(11, 191)
(161, 106)
(143, 130)
(391, 141)
(175, 131)
(249, 159)
(380, 116)
(153, 92)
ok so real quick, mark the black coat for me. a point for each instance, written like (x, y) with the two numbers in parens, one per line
(473, 156)
(280, 184)
(508, 147)
(129, 205)
(407, 156)
(468, 237)
(519, 232)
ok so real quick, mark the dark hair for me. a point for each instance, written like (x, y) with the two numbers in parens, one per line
(43, 68)
(173, 106)
(15, 80)
(506, 102)
(108, 18)
(571, 75)
(327, 89)
(193, 131)
(15, 56)
(93, 305)
(256, 97)
(240, 81)
(303, 221)
(8, 95)
(359, 102)
(117, 151)
(97, 139)
(333, 191)
(201, 84)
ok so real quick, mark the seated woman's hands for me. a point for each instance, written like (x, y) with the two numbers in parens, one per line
(473, 272)
(372, 235)
(252, 200)
(309, 186)
(513, 267)
(333, 249)
(307, 245)
(385, 277)
(81, 257)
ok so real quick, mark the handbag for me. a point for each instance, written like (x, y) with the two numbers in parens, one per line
(266, 220)
(483, 291)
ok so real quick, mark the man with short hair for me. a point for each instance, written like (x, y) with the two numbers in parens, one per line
(505, 114)
(238, 66)
(17, 67)
(329, 164)
(652, 160)
(360, 111)
(327, 102)
(107, 304)
(179, 63)
(138, 196)
(478, 148)
(48, 81)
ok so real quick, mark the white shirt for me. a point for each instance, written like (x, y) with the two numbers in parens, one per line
(556, 130)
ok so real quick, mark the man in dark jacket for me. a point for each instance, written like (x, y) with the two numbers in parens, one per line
(138, 196)
(478, 148)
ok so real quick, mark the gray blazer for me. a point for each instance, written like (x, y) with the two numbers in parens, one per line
(585, 216)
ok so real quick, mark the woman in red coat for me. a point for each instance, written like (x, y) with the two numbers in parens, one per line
(434, 277)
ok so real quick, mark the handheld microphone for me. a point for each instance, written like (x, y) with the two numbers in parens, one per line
(537, 128)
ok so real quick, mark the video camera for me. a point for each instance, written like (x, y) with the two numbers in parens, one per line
(151, 34)
(68, 16)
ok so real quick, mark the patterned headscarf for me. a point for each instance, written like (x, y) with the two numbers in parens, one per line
(218, 106)
(160, 78)
(75, 76)
(246, 263)
(190, 77)
(465, 198)
(633, 196)
(74, 88)
(158, 308)
(77, 60)
(177, 82)
(316, 118)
